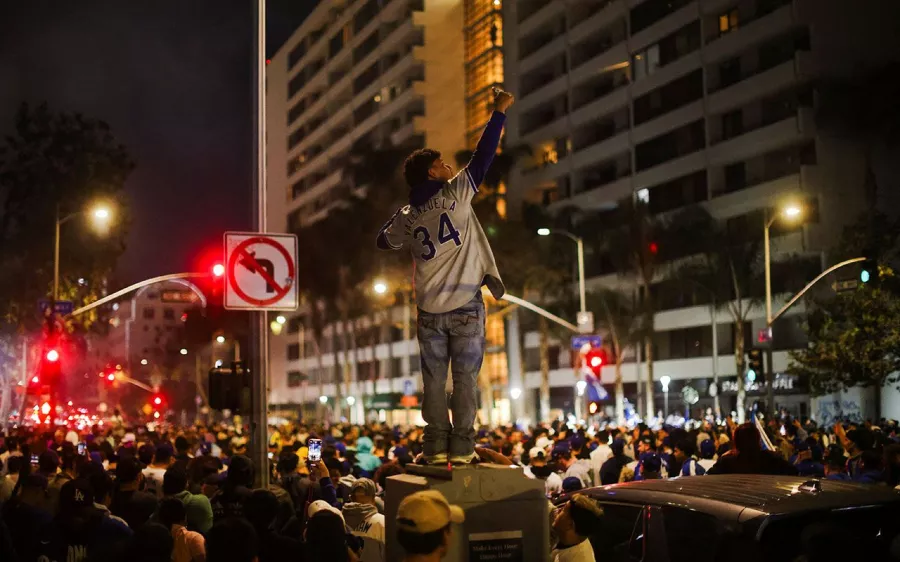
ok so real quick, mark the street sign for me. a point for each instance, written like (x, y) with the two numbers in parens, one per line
(260, 272)
(579, 341)
(845, 285)
(585, 322)
(63, 308)
(408, 388)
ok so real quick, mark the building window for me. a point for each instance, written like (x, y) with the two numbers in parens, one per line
(169, 314)
(732, 124)
(735, 177)
(294, 378)
(645, 62)
(728, 21)
(293, 352)
(149, 313)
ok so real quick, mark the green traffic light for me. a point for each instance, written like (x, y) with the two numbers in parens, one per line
(864, 276)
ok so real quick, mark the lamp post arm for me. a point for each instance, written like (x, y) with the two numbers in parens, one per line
(809, 285)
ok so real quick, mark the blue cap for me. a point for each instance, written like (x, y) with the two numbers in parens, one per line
(651, 462)
(618, 446)
(561, 449)
(707, 449)
(572, 484)
(577, 441)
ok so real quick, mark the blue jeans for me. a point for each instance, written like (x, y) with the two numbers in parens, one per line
(451, 340)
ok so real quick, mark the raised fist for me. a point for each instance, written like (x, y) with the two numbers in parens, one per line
(502, 100)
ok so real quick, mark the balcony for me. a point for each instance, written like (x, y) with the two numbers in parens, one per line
(748, 35)
(540, 55)
(536, 15)
(668, 121)
(615, 57)
(603, 149)
(767, 138)
(761, 84)
(678, 13)
(544, 93)
(597, 198)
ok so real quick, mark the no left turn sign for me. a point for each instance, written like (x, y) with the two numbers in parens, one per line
(260, 271)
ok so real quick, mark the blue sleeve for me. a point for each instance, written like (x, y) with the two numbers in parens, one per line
(485, 150)
(326, 490)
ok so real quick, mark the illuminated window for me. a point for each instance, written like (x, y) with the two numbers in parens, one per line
(728, 21)
(483, 36)
(645, 62)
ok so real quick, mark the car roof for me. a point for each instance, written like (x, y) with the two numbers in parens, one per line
(731, 494)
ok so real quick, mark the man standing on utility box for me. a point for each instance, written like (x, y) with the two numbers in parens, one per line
(452, 261)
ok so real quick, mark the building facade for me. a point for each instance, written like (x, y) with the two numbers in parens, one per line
(357, 74)
(677, 103)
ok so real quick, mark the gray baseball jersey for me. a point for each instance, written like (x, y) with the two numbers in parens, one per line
(451, 253)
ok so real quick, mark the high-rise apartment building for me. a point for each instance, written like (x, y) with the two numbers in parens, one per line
(356, 74)
(680, 102)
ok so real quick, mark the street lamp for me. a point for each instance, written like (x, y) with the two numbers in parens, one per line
(183, 351)
(101, 216)
(281, 319)
(791, 211)
(380, 287)
(665, 380)
(220, 339)
(323, 399)
(580, 242)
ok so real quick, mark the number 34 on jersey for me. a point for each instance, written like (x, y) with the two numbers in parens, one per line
(446, 233)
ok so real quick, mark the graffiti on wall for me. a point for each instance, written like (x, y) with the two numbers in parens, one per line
(830, 411)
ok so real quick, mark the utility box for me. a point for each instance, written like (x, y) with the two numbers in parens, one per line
(507, 513)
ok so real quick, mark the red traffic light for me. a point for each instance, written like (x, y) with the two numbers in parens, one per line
(594, 359)
(45, 408)
(52, 355)
(654, 247)
(218, 270)
(157, 400)
(111, 377)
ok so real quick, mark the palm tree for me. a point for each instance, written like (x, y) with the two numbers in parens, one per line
(624, 327)
(728, 267)
(633, 246)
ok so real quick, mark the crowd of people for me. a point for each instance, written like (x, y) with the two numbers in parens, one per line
(187, 494)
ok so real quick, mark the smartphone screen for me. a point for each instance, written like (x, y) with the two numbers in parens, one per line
(82, 448)
(34, 460)
(315, 450)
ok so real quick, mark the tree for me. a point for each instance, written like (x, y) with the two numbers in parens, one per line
(57, 163)
(623, 324)
(854, 341)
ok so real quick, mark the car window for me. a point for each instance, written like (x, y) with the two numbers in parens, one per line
(685, 535)
(613, 541)
(851, 533)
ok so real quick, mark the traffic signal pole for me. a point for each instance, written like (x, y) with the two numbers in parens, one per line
(259, 320)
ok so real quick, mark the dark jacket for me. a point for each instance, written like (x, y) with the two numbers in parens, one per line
(135, 507)
(89, 536)
(612, 469)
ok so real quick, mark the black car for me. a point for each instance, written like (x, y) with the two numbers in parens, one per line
(746, 518)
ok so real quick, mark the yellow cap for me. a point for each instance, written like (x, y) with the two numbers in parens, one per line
(426, 512)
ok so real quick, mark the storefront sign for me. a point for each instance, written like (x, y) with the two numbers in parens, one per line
(782, 382)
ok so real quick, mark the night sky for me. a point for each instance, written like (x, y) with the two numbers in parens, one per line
(173, 79)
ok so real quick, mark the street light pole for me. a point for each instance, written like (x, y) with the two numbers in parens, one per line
(580, 243)
(56, 258)
(581, 289)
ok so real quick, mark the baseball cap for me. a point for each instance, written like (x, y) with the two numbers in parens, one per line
(618, 446)
(365, 486)
(543, 442)
(322, 505)
(577, 442)
(572, 484)
(651, 462)
(562, 449)
(427, 511)
(707, 448)
(536, 452)
(76, 494)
